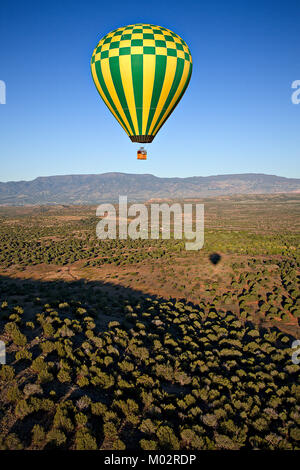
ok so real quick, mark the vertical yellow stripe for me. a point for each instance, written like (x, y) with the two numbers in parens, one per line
(182, 82)
(111, 89)
(168, 82)
(126, 77)
(98, 86)
(148, 83)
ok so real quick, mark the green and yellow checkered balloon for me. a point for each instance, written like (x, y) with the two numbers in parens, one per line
(141, 71)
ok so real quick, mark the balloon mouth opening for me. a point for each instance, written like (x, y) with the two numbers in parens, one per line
(142, 139)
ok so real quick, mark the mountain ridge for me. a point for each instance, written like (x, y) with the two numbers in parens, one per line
(106, 187)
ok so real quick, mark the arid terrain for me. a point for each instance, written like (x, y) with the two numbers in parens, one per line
(121, 344)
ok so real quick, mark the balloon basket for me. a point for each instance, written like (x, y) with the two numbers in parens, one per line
(142, 154)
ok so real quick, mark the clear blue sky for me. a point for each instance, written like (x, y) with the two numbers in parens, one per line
(236, 116)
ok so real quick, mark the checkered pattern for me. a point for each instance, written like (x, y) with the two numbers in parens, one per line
(141, 71)
(141, 39)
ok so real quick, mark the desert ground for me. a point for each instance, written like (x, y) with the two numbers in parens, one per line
(140, 344)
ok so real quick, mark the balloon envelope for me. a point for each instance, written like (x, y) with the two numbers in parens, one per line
(141, 71)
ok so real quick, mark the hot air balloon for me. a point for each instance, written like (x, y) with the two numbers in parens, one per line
(141, 72)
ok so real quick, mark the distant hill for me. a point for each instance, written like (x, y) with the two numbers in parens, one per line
(106, 187)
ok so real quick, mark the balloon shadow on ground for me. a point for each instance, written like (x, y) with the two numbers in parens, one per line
(215, 258)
